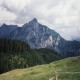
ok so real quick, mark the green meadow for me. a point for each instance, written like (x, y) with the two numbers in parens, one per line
(65, 69)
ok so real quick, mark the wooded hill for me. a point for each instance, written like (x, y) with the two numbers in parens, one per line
(17, 54)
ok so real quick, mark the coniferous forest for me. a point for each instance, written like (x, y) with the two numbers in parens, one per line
(17, 54)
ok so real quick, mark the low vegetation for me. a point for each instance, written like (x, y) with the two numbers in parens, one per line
(47, 71)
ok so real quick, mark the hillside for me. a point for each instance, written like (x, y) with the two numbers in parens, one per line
(47, 71)
(16, 54)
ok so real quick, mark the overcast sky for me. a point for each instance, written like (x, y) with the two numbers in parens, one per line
(62, 16)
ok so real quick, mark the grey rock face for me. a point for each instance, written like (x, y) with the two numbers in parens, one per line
(40, 36)
(5, 30)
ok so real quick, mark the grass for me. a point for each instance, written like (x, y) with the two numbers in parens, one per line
(47, 71)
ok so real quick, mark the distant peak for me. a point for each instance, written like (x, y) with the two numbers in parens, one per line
(33, 21)
(3, 24)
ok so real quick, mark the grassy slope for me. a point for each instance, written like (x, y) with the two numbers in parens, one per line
(45, 72)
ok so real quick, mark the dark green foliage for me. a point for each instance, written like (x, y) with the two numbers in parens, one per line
(17, 54)
(13, 46)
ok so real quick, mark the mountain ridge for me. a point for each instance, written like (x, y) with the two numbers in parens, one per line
(40, 36)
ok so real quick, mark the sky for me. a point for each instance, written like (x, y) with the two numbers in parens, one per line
(63, 16)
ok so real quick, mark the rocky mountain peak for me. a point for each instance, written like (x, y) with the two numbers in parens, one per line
(4, 25)
(34, 21)
(10, 26)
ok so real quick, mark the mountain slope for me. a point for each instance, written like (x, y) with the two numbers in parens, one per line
(40, 36)
(46, 72)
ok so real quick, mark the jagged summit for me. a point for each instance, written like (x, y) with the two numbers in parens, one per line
(3, 25)
(33, 21)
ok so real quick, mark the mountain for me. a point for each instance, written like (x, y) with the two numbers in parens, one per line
(66, 69)
(5, 30)
(40, 36)
(37, 35)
